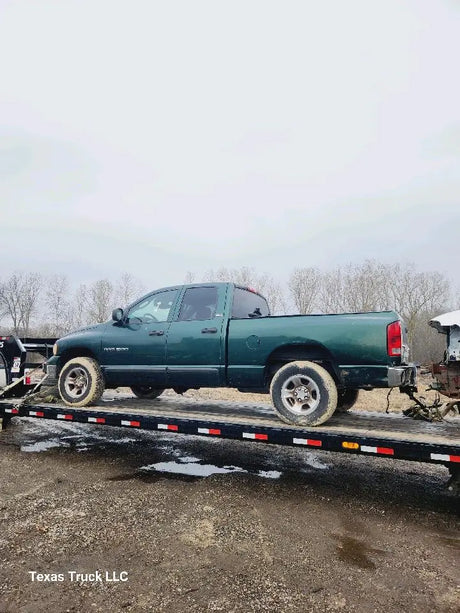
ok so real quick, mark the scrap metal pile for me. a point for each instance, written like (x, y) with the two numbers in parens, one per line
(446, 374)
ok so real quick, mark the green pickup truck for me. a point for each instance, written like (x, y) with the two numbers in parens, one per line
(222, 335)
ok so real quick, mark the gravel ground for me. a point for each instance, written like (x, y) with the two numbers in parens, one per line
(270, 529)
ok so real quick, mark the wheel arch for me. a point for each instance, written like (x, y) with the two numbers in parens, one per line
(309, 351)
(74, 352)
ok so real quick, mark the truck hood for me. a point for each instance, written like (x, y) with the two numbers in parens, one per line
(80, 330)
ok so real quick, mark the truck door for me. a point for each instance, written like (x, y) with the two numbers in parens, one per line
(133, 350)
(195, 349)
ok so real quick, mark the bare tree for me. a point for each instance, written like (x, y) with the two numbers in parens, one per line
(127, 289)
(304, 286)
(100, 300)
(248, 277)
(373, 286)
(58, 305)
(417, 293)
(365, 287)
(244, 276)
(331, 297)
(189, 277)
(79, 310)
(273, 292)
(10, 300)
(356, 288)
(19, 300)
(427, 345)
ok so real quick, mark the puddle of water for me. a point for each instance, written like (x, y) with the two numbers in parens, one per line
(192, 469)
(192, 466)
(41, 446)
(355, 552)
(81, 442)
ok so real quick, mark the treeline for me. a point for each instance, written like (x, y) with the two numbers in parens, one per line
(37, 305)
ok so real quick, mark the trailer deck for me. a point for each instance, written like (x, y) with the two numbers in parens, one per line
(356, 432)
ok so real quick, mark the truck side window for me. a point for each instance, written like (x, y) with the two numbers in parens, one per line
(199, 303)
(247, 304)
(154, 308)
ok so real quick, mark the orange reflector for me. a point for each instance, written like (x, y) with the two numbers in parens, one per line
(349, 445)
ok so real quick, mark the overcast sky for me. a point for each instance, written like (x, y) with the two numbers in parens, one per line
(160, 137)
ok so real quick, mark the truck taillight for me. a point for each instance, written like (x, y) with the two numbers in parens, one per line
(394, 339)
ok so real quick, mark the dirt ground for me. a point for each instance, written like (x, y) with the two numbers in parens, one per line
(270, 529)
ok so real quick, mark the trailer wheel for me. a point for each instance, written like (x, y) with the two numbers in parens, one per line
(346, 399)
(145, 391)
(81, 382)
(304, 394)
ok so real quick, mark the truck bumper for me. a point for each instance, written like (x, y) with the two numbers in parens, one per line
(402, 376)
(373, 376)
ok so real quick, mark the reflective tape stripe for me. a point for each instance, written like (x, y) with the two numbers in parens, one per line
(445, 458)
(135, 424)
(213, 431)
(255, 436)
(381, 450)
(36, 413)
(61, 416)
(14, 411)
(96, 420)
(307, 441)
(172, 427)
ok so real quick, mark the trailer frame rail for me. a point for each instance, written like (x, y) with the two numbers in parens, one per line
(351, 443)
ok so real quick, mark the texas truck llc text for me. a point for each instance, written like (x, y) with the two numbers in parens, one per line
(108, 576)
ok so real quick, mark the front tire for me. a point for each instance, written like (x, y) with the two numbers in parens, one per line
(145, 391)
(303, 394)
(81, 382)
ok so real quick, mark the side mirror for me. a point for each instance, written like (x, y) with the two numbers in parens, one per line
(117, 314)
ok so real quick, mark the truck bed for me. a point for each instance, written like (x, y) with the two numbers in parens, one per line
(390, 435)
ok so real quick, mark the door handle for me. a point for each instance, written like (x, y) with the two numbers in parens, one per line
(209, 330)
(156, 332)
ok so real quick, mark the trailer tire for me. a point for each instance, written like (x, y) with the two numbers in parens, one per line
(303, 394)
(346, 399)
(146, 391)
(81, 382)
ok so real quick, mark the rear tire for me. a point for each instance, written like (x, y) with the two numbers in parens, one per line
(304, 394)
(145, 391)
(81, 382)
(346, 400)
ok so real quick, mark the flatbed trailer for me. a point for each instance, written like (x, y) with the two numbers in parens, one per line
(373, 434)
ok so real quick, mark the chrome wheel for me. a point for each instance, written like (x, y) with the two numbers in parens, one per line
(300, 394)
(76, 382)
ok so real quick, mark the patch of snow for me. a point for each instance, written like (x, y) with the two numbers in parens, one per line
(313, 461)
(269, 474)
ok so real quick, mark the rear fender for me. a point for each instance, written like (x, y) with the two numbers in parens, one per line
(311, 352)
